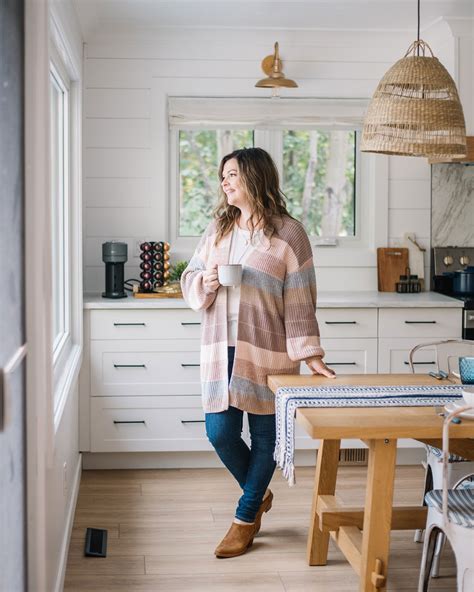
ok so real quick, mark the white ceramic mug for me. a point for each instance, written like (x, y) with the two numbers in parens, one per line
(230, 275)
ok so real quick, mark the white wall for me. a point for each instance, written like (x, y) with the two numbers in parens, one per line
(128, 80)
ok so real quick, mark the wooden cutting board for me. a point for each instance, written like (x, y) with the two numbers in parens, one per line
(391, 264)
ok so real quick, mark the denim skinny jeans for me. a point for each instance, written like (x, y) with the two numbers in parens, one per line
(252, 467)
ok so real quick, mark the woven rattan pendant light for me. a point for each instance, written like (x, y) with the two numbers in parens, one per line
(415, 110)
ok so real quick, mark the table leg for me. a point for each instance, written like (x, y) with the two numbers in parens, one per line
(324, 484)
(377, 515)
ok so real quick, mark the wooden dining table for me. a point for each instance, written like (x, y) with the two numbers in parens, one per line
(363, 533)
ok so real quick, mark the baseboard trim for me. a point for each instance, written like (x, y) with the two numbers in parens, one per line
(61, 573)
(200, 460)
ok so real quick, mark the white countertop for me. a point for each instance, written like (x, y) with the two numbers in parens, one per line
(325, 300)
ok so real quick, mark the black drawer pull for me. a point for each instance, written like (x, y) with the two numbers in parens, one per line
(129, 324)
(341, 363)
(420, 322)
(422, 363)
(189, 323)
(341, 322)
(130, 421)
(129, 366)
(193, 421)
(190, 365)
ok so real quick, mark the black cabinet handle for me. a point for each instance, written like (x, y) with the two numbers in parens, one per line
(190, 365)
(422, 363)
(185, 324)
(130, 421)
(193, 421)
(420, 322)
(129, 366)
(129, 324)
(341, 363)
(341, 322)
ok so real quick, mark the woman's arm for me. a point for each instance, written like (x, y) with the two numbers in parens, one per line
(299, 300)
(197, 283)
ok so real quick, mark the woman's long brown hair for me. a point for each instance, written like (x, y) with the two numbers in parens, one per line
(259, 178)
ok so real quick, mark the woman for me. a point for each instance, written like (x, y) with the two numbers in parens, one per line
(267, 325)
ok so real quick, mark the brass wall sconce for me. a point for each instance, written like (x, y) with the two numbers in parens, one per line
(272, 67)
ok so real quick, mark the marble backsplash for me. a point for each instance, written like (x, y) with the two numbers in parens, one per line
(452, 214)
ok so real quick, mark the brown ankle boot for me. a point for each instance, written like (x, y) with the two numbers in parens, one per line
(238, 539)
(265, 506)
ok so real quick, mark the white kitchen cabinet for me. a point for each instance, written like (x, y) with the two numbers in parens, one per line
(347, 323)
(424, 323)
(145, 367)
(349, 356)
(140, 385)
(145, 324)
(147, 424)
(401, 329)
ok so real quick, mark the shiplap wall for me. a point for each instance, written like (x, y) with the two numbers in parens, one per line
(126, 162)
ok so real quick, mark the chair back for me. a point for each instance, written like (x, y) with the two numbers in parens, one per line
(447, 353)
(447, 420)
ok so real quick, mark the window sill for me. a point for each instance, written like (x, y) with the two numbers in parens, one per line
(66, 383)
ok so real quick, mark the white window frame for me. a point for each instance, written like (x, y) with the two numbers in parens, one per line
(62, 342)
(371, 170)
(67, 354)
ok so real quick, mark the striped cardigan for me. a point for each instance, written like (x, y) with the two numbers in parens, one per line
(277, 326)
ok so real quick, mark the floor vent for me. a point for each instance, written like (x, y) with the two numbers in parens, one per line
(353, 456)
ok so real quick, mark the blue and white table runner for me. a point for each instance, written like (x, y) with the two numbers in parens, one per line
(289, 399)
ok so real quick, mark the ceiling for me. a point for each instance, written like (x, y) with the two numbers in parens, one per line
(134, 15)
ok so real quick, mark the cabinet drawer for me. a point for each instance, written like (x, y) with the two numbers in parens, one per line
(421, 323)
(142, 425)
(145, 368)
(349, 356)
(394, 356)
(177, 323)
(347, 322)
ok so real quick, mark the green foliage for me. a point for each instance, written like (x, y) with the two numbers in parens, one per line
(176, 270)
(296, 157)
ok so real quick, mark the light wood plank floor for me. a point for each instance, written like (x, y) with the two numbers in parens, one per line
(163, 526)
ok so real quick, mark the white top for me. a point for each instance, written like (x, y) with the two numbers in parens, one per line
(240, 249)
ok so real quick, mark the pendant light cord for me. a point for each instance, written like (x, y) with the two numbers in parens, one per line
(418, 31)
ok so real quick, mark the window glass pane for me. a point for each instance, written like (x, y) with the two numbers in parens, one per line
(199, 155)
(319, 180)
(57, 209)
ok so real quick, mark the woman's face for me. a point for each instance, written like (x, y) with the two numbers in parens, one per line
(232, 186)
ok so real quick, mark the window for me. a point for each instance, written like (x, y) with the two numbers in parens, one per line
(65, 215)
(339, 193)
(318, 175)
(59, 97)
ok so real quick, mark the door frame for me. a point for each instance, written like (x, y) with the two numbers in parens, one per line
(39, 416)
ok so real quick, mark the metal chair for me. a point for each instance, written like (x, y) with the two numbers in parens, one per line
(460, 470)
(451, 514)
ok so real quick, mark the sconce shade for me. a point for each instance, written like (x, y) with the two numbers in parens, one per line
(415, 110)
(275, 77)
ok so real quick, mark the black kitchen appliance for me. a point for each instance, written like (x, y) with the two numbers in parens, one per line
(453, 275)
(114, 255)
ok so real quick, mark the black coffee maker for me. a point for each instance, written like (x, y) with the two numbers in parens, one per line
(114, 255)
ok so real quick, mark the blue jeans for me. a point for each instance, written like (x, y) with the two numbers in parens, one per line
(252, 467)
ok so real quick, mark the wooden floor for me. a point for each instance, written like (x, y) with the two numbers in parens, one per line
(163, 526)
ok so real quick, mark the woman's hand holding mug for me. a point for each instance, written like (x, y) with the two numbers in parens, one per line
(317, 366)
(209, 278)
